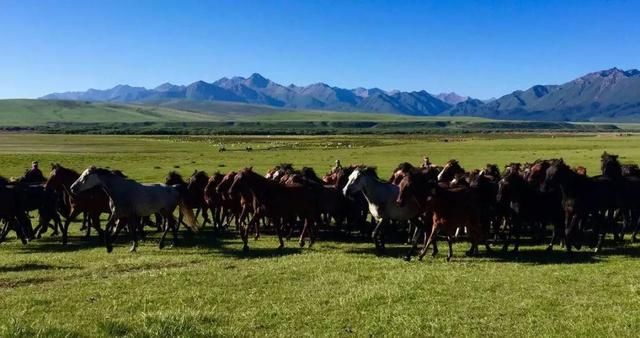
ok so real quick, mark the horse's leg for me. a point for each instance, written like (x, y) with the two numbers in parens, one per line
(414, 244)
(305, 228)
(65, 226)
(377, 235)
(634, 237)
(174, 228)
(244, 232)
(450, 242)
(164, 235)
(434, 232)
(278, 227)
(134, 223)
(107, 233)
(608, 223)
(312, 230)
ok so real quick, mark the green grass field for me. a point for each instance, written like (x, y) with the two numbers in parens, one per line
(208, 287)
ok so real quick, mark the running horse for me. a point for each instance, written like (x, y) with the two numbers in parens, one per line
(93, 202)
(130, 201)
(12, 214)
(381, 199)
(277, 202)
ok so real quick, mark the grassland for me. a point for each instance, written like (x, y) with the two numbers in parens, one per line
(208, 287)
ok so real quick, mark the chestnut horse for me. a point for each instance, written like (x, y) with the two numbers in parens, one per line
(451, 209)
(277, 202)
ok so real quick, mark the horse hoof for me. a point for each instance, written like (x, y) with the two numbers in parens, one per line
(109, 249)
(245, 248)
(407, 258)
(448, 258)
(281, 246)
(256, 238)
(549, 248)
(301, 243)
(634, 239)
(161, 246)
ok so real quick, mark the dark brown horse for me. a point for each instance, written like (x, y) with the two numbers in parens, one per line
(12, 214)
(93, 202)
(277, 202)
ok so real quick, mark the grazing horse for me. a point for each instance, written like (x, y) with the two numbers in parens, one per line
(130, 201)
(277, 202)
(381, 199)
(451, 208)
(93, 202)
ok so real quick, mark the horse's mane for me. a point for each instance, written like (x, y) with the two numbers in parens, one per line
(199, 175)
(404, 167)
(107, 172)
(58, 166)
(310, 174)
(369, 171)
(174, 176)
(286, 167)
(611, 161)
(453, 162)
(3, 181)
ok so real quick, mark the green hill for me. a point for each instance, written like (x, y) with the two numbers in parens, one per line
(23, 112)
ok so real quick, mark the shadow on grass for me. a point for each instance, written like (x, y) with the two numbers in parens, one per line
(33, 267)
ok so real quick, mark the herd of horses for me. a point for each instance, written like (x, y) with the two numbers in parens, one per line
(545, 201)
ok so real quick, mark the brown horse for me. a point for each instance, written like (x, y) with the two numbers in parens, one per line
(94, 202)
(234, 206)
(193, 190)
(277, 202)
(451, 209)
(213, 199)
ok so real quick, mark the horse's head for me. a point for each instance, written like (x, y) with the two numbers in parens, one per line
(509, 187)
(173, 178)
(610, 166)
(557, 173)
(450, 170)
(60, 176)
(241, 181)
(225, 183)
(355, 182)
(197, 181)
(89, 178)
(537, 172)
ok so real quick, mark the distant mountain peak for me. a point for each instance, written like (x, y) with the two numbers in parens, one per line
(257, 80)
(451, 98)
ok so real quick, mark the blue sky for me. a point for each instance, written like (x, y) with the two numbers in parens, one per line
(477, 48)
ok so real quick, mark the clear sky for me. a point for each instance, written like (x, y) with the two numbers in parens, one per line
(477, 48)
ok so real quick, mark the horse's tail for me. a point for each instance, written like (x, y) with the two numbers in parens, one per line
(186, 213)
(189, 218)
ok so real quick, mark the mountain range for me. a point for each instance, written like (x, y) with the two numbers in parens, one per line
(612, 94)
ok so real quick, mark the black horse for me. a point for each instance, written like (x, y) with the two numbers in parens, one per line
(583, 199)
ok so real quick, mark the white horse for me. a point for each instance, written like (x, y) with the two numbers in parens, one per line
(129, 201)
(381, 197)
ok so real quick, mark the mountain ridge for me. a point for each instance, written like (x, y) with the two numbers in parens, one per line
(608, 94)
